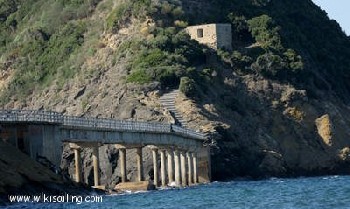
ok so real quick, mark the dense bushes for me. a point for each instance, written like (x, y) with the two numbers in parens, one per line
(165, 58)
(124, 11)
(39, 44)
(267, 56)
(187, 86)
(42, 59)
(39, 37)
(265, 32)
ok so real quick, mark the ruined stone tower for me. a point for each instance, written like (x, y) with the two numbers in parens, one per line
(216, 36)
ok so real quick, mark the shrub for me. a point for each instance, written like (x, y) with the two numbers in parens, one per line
(164, 58)
(187, 86)
(268, 64)
(151, 58)
(294, 61)
(180, 23)
(118, 16)
(139, 76)
(177, 12)
(265, 32)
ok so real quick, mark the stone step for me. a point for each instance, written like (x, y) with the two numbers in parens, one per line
(168, 101)
(170, 94)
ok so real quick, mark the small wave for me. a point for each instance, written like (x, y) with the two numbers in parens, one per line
(276, 180)
(172, 184)
(330, 177)
(139, 192)
(127, 192)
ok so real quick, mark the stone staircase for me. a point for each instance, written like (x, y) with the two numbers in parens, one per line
(168, 102)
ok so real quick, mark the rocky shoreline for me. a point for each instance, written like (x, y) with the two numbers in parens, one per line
(21, 175)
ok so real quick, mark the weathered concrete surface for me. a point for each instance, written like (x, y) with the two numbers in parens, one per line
(132, 138)
(35, 140)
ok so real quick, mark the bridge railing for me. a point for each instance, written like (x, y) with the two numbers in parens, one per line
(33, 116)
(36, 116)
(111, 124)
(188, 132)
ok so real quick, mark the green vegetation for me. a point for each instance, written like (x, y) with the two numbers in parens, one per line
(265, 32)
(47, 41)
(165, 58)
(168, 55)
(139, 9)
(297, 25)
(38, 39)
(187, 86)
(42, 58)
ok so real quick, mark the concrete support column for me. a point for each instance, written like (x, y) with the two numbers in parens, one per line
(177, 168)
(139, 164)
(95, 163)
(183, 169)
(155, 166)
(122, 157)
(195, 175)
(170, 166)
(190, 168)
(162, 168)
(77, 158)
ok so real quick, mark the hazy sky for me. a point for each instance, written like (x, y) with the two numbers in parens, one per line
(338, 10)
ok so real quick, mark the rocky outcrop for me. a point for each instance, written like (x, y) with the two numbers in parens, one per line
(21, 175)
(324, 129)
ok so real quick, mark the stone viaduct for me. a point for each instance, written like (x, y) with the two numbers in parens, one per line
(183, 158)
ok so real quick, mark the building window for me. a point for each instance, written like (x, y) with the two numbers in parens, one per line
(200, 33)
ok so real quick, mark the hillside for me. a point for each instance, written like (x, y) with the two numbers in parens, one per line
(279, 101)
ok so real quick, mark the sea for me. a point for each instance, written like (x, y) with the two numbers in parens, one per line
(312, 192)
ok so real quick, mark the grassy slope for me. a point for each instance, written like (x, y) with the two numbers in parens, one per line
(48, 41)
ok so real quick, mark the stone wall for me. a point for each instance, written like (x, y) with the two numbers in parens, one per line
(213, 35)
(224, 36)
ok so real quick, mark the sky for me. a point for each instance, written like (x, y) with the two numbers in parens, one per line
(338, 10)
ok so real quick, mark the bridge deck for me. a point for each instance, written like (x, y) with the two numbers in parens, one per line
(73, 122)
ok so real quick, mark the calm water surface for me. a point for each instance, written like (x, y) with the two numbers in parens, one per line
(319, 192)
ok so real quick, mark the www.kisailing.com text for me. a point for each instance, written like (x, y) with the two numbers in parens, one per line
(43, 198)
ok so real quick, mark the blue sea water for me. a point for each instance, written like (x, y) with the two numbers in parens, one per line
(317, 192)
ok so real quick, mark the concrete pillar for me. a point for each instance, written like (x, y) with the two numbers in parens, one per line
(155, 166)
(162, 168)
(139, 164)
(190, 168)
(170, 166)
(95, 163)
(183, 169)
(177, 168)
(195, 175)
(77, 158)
(122, 157)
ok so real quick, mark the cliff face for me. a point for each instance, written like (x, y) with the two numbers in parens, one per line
(21, 175)
(278, 102)
(271, 129)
